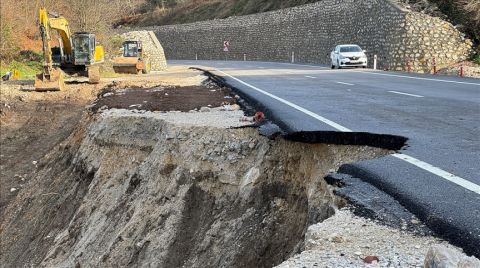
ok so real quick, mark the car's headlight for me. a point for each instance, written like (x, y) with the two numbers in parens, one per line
(341, 56)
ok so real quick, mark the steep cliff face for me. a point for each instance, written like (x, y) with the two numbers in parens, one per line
(129, 189)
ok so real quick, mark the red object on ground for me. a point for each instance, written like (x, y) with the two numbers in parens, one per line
(370, 259)
(259, 116)
(409, 66)
(434, 63)
(461, 70)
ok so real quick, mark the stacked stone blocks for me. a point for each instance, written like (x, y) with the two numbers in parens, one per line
(398, 37)
(153, 50)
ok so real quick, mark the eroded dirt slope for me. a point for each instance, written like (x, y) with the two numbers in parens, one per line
(139, 191)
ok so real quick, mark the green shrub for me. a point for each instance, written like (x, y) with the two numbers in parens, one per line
(8, 47)
(113, 46)
(476, 58)
(27, 69)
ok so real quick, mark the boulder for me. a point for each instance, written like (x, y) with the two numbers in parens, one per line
(439, 256)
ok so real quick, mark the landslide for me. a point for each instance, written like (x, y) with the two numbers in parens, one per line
(131, 189)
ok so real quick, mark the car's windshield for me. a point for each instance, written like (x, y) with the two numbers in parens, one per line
(350, 49)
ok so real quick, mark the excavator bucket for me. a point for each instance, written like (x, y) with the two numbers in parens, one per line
(54, 82)
(128, 65)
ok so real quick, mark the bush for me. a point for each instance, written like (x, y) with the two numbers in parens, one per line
(112, 45)
(8, 47)
(29, 55)
(476, 58)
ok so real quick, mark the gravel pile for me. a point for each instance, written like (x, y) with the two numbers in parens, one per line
(214, 117)
(345, 240)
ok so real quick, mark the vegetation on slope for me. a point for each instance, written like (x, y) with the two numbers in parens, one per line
(19, 34)
(158, 12)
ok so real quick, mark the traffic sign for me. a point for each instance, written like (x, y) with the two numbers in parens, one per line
(226, 45)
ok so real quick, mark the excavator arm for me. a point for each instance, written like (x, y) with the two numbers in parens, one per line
(52, 78)
(60, 24)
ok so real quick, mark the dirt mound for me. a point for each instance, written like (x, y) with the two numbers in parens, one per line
(138, 191)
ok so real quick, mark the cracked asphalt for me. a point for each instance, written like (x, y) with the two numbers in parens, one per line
(436, 176)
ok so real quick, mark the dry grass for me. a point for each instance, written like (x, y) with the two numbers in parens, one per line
(199, 10)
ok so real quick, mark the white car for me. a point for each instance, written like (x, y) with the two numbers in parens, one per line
(348, 56)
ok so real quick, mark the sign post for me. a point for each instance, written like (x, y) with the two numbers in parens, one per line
(226, 47)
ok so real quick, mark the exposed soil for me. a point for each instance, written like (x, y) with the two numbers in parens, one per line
(182, 99)
(30, 127)
(33, 123)
(130, 190)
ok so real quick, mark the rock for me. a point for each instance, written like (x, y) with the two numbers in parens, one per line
(34, 162)
(371, 259)
(233, 107)
(338, 239)
(13, 190)
(439, 256)
(205, 109)
(107, 94)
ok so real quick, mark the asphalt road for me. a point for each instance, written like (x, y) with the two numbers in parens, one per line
(437, 176)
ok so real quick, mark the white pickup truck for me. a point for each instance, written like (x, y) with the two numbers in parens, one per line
(348, 56)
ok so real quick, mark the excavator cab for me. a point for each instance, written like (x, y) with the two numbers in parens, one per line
(132, 49)
(83, 48)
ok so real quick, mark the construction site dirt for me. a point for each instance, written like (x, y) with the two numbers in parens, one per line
(181, 99)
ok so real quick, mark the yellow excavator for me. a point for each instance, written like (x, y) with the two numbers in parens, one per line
(77, 54)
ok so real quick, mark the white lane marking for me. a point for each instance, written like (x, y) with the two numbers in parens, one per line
(305, 65)
(301, 109)
(343, 83)
(439, 172)
(312, 77)
(421, 78)
(406, 94)
(416, 162)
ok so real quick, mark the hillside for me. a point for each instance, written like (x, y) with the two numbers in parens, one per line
(463, 13)
(155, 12)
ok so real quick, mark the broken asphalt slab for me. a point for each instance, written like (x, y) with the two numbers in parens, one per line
(451, 211)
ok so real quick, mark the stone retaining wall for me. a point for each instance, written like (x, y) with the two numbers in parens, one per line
(151, 46)
(311, 31)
